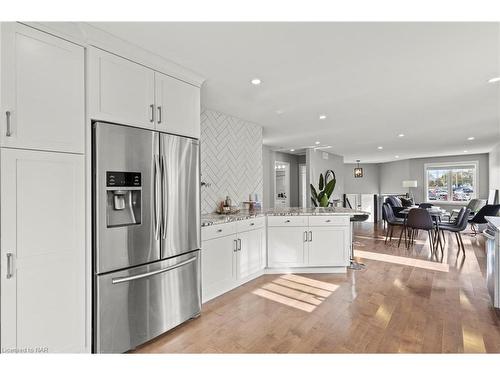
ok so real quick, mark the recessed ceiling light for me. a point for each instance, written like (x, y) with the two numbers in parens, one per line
(470, 138)
(493, 80)
(317, 142)
(465, 151)
(401, 135)
(322, 117)
(380, 148)
(292, 149)
(256, 81)
(397, 156)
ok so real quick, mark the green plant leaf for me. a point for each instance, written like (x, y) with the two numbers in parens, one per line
(321, 195)
(330, 186)
(324, 201)
(321, 181)
(314, 195)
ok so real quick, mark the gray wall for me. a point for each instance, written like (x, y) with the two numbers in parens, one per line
(316, 165)
(269, 157)
(368, 184)
(494, 167)
(391, 176)
(393, 173)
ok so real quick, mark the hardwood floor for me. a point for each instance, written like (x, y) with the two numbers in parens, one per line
(404, 301)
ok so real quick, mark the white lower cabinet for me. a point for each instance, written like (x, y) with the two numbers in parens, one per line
(217, 265)
(286, 246)
(43, 251)
(328, 246)
(326, 243)
(231, 259)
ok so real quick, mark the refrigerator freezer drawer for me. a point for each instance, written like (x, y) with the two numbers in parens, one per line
(140, 303)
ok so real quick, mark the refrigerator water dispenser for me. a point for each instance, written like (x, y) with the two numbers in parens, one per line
(123, 199)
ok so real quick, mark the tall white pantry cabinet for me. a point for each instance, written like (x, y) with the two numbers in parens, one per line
(43, 295)
(53, 84)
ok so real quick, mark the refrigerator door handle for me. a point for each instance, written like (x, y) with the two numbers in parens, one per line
(157, 181)
(164, 193)
(119, 280)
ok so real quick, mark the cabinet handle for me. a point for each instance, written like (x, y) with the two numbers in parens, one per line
(219, 230)
(152, 107)
(305, 236)
(8, 133)
(252, 224)
(328, 220)
(10, 273)
(239, 244)
(310, 236)
(159, 114)
(235, 242)
(287, 221)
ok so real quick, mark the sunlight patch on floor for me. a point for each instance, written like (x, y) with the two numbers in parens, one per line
(473, 342)
(419, 263)
(296, 291)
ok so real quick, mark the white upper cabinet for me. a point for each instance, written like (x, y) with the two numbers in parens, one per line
(43, 251)
(128, 93)
(42, 91)
(178, 106)
(120, 90)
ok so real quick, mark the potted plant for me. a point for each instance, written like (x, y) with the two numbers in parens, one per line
(325, 187)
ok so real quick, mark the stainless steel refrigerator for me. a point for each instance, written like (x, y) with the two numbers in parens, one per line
(146, 234)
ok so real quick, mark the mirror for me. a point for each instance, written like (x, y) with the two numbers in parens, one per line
(281, 184)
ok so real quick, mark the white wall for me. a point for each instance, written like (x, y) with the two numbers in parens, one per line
(231, 159)
(317, 164)
(494, 168)
(368, 184)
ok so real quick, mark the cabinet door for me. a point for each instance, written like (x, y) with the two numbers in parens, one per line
(42, 90)
(120, 90)
(250, 253)
(218, 266)
(286, 246)
(177, 106)
(43, 235)
(328, 246)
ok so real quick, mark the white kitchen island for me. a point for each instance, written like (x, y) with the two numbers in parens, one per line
(238, 248)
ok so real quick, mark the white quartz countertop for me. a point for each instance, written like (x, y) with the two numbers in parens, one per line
(214, 218)
(495, 220)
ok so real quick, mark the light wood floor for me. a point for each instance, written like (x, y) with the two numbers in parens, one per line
(404, 301)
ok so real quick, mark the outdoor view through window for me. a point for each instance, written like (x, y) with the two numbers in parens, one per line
(451, 183)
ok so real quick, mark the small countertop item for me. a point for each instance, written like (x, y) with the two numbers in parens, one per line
(494, 220)
(324, 211)
(214, 218)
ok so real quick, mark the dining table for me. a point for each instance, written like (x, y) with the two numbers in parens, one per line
(436, 213)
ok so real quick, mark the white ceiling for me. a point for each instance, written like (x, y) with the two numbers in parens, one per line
(372, 80)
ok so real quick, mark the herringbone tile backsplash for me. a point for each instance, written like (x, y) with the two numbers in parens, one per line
(231, 159)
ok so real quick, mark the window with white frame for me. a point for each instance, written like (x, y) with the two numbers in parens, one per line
(451, 182)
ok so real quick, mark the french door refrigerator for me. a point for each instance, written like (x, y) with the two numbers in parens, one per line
(146, 234)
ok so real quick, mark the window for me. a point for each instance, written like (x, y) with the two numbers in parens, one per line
(451, 182)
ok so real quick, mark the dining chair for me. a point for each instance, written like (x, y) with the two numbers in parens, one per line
(425, 205)
(458, 227)
(474, 206)
(478, 218)
(419, 218)
(392, 221)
